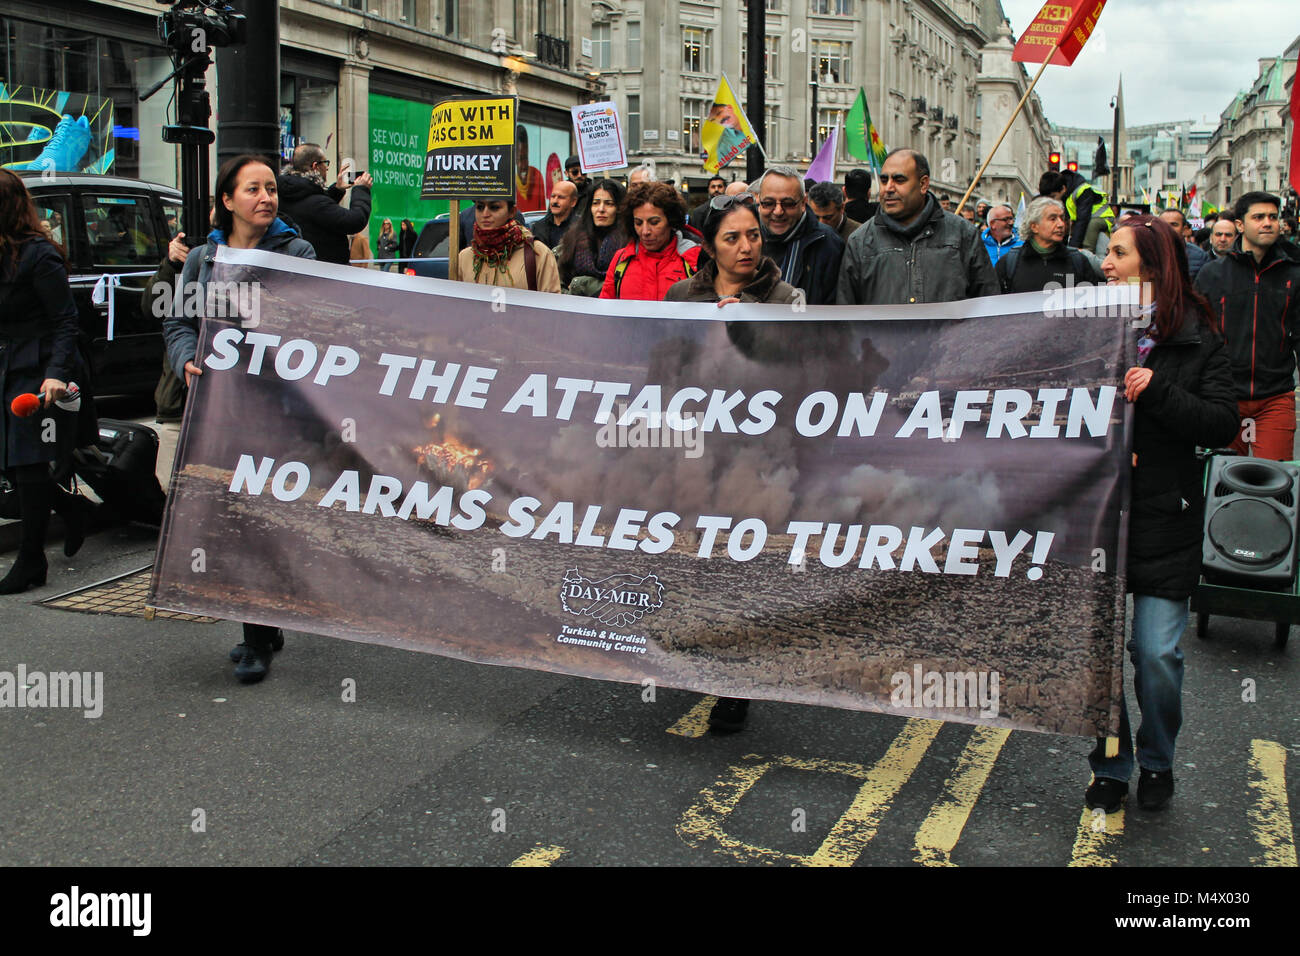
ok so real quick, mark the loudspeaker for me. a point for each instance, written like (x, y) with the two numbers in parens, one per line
(1251, 523)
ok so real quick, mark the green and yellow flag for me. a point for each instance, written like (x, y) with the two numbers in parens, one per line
(726, 132)
(861, 137)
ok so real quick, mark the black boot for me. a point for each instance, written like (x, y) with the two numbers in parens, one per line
(31, 567)
(75, 512)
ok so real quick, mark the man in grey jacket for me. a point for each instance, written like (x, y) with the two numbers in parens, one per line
(912, 251)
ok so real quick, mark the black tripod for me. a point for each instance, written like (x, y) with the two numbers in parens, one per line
(192, 134)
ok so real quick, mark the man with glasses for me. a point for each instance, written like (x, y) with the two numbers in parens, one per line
(717, 186)
(316, 210)
(1000, 236)
(912, 251)
(807, 252)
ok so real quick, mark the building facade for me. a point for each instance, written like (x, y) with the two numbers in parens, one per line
(917, 60)
(1248, 149)
(1023, 155)
(358, 77)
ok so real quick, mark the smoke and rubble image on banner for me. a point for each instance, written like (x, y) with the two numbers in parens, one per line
(942, 494)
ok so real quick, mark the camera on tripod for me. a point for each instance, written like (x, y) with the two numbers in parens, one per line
(216, 23)
(192, 28)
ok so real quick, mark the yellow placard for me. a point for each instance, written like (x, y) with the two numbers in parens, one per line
(485, 122)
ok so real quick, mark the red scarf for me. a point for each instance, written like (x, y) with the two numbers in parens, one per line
(494, 247)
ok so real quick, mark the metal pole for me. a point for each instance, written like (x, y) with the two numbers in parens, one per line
(1114, 176)
(812, 130)
(248, 86)
(756, 86)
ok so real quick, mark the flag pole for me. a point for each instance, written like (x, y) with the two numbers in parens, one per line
(1016, 112)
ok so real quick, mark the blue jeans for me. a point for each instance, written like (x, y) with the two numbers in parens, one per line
(1158, 624)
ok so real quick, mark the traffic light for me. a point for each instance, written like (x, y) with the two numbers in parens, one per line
(1072, 167)
(1054, 162)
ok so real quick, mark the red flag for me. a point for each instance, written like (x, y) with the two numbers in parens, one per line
(1295, 128)
(1060, 30)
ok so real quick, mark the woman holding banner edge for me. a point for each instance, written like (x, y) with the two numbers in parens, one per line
(244, 217)
(1183, 395)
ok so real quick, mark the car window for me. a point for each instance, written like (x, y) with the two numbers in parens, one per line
(174, 212)
(120, 230)
(52, 209)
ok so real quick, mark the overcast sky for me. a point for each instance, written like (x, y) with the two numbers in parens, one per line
(1181, 59)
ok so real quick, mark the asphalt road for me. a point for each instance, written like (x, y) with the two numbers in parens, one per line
(437, 761)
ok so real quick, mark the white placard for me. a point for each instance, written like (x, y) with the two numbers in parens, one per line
(600, 137)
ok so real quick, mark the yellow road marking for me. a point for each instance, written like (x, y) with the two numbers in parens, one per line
(1093, 845)
(942, 828)
(1270, 814)
(856, 828)
(695, 722)
(540, 856)
(702, 824)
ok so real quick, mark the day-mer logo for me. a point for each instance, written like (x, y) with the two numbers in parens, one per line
(619, 600)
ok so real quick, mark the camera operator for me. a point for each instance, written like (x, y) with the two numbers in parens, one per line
(316, 210)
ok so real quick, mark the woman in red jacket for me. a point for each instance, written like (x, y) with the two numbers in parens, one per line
(660, 255)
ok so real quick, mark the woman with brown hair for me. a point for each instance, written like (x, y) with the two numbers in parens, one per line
(660, 255)
(39, 354)
(1183, 396)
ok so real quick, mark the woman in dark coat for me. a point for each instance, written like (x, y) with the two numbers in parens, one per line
(735, 270)
(245, 216)
(38, 354)
(587, 249)
(1183, 395)
(406, 241)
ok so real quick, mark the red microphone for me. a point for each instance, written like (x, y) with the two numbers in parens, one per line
(26, 405)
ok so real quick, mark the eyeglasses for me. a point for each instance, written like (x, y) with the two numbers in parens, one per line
(767, 205)
(723, 203)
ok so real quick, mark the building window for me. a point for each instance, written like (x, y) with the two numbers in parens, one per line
(773, 143)
(828, 120)
(634, 46)
(692, 117)
(600, 46)
(356, 4)
(831, 8)
(829, 61)
(697, 50)
(451, 17)
(408, 12)
(634, 121)
(771, 58)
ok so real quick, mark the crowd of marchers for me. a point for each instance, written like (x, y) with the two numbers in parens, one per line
(1216, 349)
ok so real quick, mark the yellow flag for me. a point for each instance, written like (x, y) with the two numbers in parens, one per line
(726, 132)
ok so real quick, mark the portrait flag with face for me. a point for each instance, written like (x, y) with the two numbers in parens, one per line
(726, 132)
(861, 139)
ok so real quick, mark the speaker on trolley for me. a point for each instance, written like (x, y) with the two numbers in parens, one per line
(1251, 523)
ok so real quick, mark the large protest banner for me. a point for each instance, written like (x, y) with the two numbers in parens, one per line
(756, 501)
